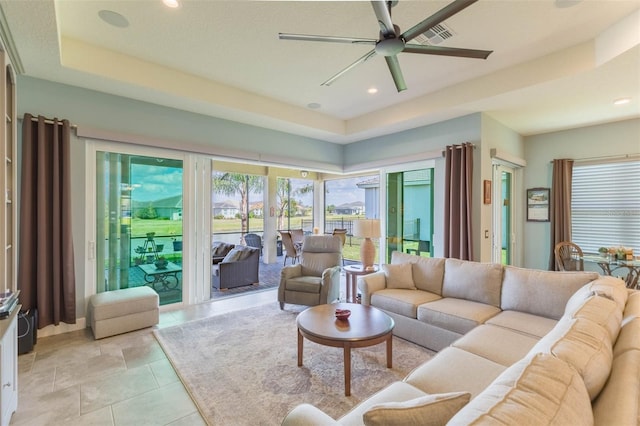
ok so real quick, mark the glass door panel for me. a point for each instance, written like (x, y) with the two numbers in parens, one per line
(410, 212)
(503, 215)
(139, 224)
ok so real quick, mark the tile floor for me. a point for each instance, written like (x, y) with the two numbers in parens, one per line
(71, 379)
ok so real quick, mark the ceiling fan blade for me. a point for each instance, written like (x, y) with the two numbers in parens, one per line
(330, 39)
(447, 51)
(396, 72)
(433, 20)
(364, 58)
(384, 18)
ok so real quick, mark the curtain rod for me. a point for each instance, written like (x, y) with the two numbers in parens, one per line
(604, 157)
(50, 121)
(444, 151)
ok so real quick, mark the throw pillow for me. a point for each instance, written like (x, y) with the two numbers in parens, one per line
(429, 410)
(234, 255)
(399, 275)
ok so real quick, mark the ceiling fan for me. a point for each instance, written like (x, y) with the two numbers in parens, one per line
(392, 42)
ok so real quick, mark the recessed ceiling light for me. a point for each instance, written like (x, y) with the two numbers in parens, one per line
(622, 101)
(171, 3)
(314, 105)
(372, 90)
(113, 18)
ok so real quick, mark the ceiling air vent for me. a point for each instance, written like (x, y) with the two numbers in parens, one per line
(435, 35)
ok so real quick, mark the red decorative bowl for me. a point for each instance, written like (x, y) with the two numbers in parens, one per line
(343, 314)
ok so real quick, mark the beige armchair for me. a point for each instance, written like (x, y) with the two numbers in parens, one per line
(315, 280)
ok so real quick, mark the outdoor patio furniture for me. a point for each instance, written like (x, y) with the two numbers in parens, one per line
(238, 268)
(253, 240)
(219, 250)
(291, 250)
(342, 234)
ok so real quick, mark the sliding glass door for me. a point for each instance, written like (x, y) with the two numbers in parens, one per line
(503, 215)
(409, 213)
(139, 201)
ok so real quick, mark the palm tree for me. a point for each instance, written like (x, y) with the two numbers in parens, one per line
(232, 184)
(284, 193)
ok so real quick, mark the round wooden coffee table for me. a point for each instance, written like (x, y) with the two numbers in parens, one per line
(367, 326)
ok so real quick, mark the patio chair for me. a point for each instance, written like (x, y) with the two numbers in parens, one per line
(291, 250)
(253, 240)
(297, 235)
(568, 256)
(342, 234)
(315, 280)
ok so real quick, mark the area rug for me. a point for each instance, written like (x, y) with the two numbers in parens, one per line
(241, 368)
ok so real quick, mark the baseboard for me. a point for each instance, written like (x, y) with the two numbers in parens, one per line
(52, 330)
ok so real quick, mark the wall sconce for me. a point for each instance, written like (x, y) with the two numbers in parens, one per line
(304, 173)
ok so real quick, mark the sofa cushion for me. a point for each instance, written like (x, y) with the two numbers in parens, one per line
(428, 410)
(522, 322)
(632, 307)
(478, 282)
(400, 301)
(399, 276)
(237, 254)
(304, 284)
(457, 315)
(428, 272)
(543, 293)
(220, 248)
(497, 344)
(610, 287)
(617, 404)
(628, 338)
(540, 390)
(585, 345)
(395, 392)
(455, 370)
(602, 310)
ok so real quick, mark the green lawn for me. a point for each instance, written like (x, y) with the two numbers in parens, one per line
(167, 229)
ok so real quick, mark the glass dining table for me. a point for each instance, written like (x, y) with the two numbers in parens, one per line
(628, 270)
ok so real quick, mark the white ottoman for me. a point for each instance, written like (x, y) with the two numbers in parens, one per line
(120, 311)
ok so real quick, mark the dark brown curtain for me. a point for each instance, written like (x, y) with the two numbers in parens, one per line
(46, 276)
(458, 241)
(560, 206)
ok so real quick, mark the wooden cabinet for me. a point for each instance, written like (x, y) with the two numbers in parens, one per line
(8, 367)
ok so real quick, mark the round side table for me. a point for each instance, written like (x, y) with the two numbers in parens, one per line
(351, 273)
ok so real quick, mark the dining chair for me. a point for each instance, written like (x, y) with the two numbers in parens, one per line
(568, 256)
(291, 249)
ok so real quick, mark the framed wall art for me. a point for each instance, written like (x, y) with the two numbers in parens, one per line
(538, 204)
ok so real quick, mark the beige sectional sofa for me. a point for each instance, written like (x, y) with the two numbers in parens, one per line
(516, 346)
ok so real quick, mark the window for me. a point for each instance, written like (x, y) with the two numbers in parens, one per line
(295, 204)
(237, 205)
(349, 199)
(605, 205)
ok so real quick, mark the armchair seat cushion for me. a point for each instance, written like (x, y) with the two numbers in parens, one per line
(305, 284)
